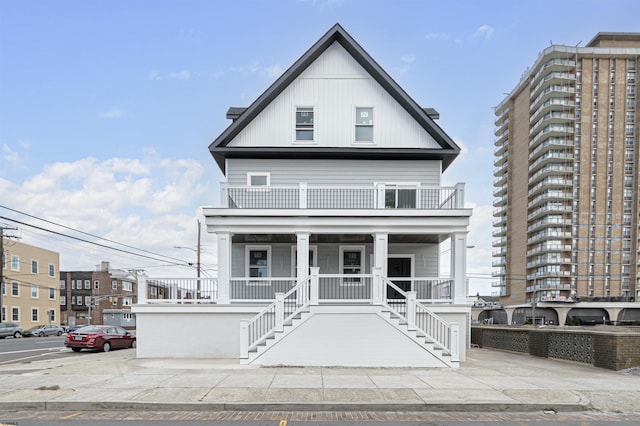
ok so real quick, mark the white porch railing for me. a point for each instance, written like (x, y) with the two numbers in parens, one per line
(253, 332)
(177, 290)
(355, 197)
(420, 318)
(332, 288)
(369, 289)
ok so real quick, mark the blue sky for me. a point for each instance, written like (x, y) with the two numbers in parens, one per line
(107, 108)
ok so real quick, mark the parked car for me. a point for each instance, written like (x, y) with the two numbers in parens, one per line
(44, 330)
(100, 337)
(75, 327)
(10, 329)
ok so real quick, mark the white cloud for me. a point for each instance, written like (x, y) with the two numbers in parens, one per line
(154, 75)
(183, 75)
(148, 203)
(485, 32)
(112, 113)
(9, 155)
(274, 71)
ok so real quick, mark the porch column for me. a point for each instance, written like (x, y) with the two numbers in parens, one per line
(459, 267)
(381, 251)
(224, 267)
(302, 253)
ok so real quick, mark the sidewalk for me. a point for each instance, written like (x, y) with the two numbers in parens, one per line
(489, 381)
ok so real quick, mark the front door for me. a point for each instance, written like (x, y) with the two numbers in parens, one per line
(398, 267)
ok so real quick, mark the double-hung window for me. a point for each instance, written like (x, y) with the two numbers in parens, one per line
(304, 124)
(34, 266)
(258, 263)
(364, 124)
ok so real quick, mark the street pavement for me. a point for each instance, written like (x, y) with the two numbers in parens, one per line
(489, 381)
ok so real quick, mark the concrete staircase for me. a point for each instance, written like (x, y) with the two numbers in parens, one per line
(349, 335)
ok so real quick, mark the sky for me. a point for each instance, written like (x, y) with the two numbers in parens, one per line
(107, 108)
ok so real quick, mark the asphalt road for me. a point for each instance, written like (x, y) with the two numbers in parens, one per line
(29, 349)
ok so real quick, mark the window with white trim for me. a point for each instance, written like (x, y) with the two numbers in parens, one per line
(351, 263)
(96, 285)
(52, 293)
(304, 124)
(34, 291)
(87, 300)
(114, 284)
(400, 196)
(126, 301)
(34, 266)
(15, 314)
(364, 124)
(127, 286)
(15, 263)
(258, 179)
(63, 284)
(87, 284)
(35, 315)
(52, 270)
(63, 300)
(258, 261)
(15, 289)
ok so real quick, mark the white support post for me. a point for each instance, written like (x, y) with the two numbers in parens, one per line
(303, 195)
(459, 267)
(412, 296)
(377, 291)
(142, 289)
(224, 195)
(224, 267)
(244, 339)
(459, 195)
(279, 312)
(302, 261)
(455, 341)
(379, 196)
(314, 297)
(381, 251)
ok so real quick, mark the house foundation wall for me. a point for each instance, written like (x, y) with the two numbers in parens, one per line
(190, 331)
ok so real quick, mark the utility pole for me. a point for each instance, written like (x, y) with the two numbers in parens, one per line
(3, 261)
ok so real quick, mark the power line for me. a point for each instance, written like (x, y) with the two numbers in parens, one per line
(180, 263)
(84, 233)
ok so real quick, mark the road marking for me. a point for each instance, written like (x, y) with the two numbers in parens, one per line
(30, 350)
(70, 416)
(15, 360)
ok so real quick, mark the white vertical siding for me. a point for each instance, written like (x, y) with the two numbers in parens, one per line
(335, 172)
(334, 85)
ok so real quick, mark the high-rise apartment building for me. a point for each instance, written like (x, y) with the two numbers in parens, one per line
(567, 167)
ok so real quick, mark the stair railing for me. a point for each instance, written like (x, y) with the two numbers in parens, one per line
(271, 319)
(420, 318)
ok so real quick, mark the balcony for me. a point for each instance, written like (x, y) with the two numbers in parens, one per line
(343, 197)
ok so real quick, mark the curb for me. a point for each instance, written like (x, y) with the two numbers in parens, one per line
(289, 406)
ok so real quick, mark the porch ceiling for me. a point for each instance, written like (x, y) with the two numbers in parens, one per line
(341, 238)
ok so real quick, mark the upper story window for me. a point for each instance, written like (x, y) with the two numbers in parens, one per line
(304, 124)
(258, 179)
(400, 197)
(114, 284)
(364, 124)
(52, 270)
(15, 263)
(34, 291)
(63, 284)
(34, 266)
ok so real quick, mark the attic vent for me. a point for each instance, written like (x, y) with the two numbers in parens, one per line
(234, 112)
(431, 112)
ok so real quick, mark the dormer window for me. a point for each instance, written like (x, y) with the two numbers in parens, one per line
(304, 124)
(364, 124)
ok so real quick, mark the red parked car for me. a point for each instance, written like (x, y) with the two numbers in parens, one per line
(100, 337)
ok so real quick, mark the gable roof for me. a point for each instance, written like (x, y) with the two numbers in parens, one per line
(242, 117)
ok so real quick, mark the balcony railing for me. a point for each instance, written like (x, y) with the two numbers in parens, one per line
(332, 288)
(344, 197)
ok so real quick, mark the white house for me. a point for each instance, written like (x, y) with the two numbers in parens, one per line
(330, 230)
